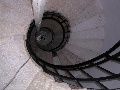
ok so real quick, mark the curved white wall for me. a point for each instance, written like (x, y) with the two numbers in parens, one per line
(112, 30)
(112, 27)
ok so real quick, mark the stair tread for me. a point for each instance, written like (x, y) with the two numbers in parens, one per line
(39, 52)
(56, 60)
(96, 21)
(74, 59)
(92, 10)
(49, 24)
(49, 57)
(68, 8)
(112, 84)
(52, 24)
(80, 52)
(94, 33)
(90, 85)
(43, 81)
(114, 65)
(55, 44)
(94, 45)
(95, 72)
(63, 59)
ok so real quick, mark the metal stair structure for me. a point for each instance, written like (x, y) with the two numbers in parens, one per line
(55, 45)
(80, 75)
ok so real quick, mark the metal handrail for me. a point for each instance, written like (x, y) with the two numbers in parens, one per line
(95, 62)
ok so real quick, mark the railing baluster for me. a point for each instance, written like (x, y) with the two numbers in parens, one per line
(100, 84)
(103, 69)
(77, 82)
(61, 80)
(95, 62)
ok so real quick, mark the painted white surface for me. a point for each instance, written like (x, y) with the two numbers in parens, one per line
(90, 44)
(81, 52)
(44, 81)
(74, 59)
(111, 9)
(95, 21)
(12, 56)
(15, 17)
(69, 8)
(94, 33)
(112, 26)
(24, 77)
(112, 36)
(38, 10)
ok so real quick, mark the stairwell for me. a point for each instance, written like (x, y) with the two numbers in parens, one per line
(85, 35)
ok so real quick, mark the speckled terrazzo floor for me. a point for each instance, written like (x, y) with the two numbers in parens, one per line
(17, 70)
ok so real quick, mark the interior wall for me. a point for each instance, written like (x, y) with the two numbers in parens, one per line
(112, 33)
(112, 27)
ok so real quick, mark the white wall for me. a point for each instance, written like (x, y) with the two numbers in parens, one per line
(112, 31)
(112, 27)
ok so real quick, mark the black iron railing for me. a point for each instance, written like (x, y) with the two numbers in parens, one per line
(56, 44)
(95, 62)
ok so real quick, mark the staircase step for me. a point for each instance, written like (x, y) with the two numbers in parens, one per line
(111, 66)
(41, 54)
(58, 39)
(42, 81)
(56, 61)
(64, 60)
(57, 79)
(55, 44)
(59, 36)
(52, 24)
(72, 84)
(49, 57)
(112, 84)
(69, 8)
(95, 72)
(78, 74)
(80, 52)
(90, 85)
(74, 59)
(96, 21)
(115, 52)
(94, 45)
(58, 31)
(49, 23)
(93, 9)
(95, 33)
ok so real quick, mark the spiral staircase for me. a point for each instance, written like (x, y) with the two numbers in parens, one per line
(60, 50)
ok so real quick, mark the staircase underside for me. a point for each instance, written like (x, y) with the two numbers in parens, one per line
(18, 71)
